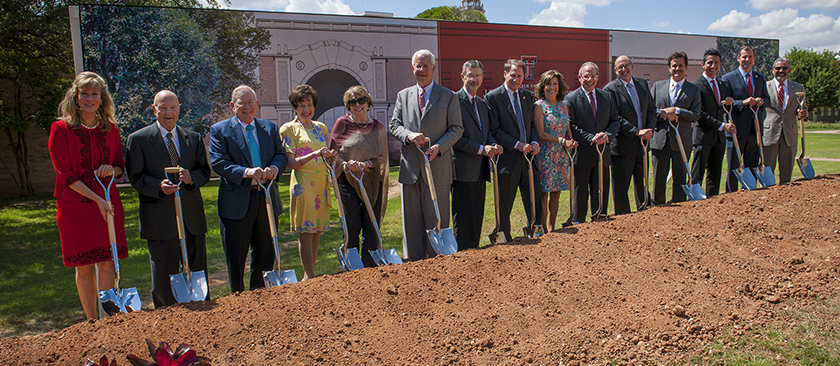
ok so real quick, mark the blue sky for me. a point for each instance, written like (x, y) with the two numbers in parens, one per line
(796, 23)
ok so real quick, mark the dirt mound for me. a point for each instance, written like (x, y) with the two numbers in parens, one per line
(645, 286)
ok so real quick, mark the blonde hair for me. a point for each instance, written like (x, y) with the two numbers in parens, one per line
(68, 109)
(359, 91)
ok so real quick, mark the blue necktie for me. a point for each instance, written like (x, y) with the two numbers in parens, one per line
(252, 145)
(519, 119)
(636, 105)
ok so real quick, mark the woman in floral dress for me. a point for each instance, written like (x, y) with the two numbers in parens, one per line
(306, 145)
(551, 119)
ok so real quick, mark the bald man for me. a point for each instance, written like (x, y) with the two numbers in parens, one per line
(150, 150)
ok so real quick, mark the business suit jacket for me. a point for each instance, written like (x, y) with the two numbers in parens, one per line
(441, 123)
(230, 157)
(707, 129)
(626, 141)
(688, 100)
(742, 115)
(584, 126)
(469, 163)
(147, 158)
(777, 122)
(504, 128)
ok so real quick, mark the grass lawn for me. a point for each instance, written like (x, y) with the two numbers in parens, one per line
(40, 293)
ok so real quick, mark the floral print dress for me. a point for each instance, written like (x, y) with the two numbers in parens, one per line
(309, 186)
(552, 160)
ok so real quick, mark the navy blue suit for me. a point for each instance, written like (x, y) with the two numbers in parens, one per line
(241, 207)
(743, 118)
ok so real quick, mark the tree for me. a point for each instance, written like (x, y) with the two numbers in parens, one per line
(819, 72)
(766, 51)
(453, 13)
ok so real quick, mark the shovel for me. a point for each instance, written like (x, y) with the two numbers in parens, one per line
(532, 230)
(348, 258)
(496, 237)
(572, 155)
(646, 148)
(277, 276)
(599, 215)
(763, 173)
(804, 163)
(187, 286)
(116, 300)
(443, 241)
(744, 175)
(693, 191)
(380, 256)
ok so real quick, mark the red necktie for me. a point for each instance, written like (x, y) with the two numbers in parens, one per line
(782, 96)
(592, 104)
(421, 101)
(749, 84)
(714, 87)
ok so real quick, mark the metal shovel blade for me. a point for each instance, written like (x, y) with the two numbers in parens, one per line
(497, 237)
(189, 289)
(746, 178)
(533, 231)
(378, 257)
(342, 259)
(435, 240)
(450, 245)
(392, 256)
(694, 192)
(806, 168)
(116, 301)
(354, 259)
(769, 178)
(277, 278)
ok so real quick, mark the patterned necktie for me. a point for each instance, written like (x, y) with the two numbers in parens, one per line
(592, 104)
(749, 84)
(252, 145)
(477, 117)
(636, 105)
(421, 100)
(715, 89)
(519, 119)
(174, 159)
(782, 96)
(675, 90)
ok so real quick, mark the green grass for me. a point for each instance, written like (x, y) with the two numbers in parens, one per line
(815, 126)
(40, 293)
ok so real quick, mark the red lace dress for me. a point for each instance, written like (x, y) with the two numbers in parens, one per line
(75, 154)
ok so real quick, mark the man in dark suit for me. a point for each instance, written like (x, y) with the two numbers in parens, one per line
(594, 121)
(425, 110)
(780, 127)
(678, 102)
(150, 150)
(635, 105)
(472, 170)
(748, 88)
(708, 136)
(512, 126)
(245, 150)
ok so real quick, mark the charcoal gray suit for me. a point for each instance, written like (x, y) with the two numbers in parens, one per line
(708, 137)
(664, 146)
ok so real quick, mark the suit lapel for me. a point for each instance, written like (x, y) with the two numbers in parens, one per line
(264, 141)
(158, 145)
(238, 136)
(412, 102)
(465, 100)
(184, 143)
(434, 95)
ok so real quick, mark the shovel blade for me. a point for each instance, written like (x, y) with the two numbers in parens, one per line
(435, 240)
(342, 259)
(354, 259)
(119, 301)
(378, 257)
(806, 168)
(392, 256)
(278, 278)
(450, 245)
(764, 176)
(192, 289)
(746, 178)
(694, 192)
(497, 237)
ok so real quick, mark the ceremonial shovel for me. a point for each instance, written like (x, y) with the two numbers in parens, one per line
(187, 286)
(277, 276)
(744, 175)
(693, 191)
(496, 237)
(571, 221)
(380, 255)
(599, 215)
(348, 258)
(646, 148)
(443, 241)
(804, 163)
(532, 230)
(116, 300)
(763, 173)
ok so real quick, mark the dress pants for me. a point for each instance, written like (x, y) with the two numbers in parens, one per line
(662, 161)
(418, 215)
(749, 148)
(786, 155)
(708, 162)
(358, 221)
(587, 186)
(165, 260)
(624, 168)
(509, 183)
(251, 232)
(468, 212)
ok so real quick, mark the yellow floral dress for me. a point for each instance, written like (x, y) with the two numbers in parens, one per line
(309, 186)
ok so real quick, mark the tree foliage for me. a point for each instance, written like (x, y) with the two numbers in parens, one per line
(819, 72)
(453, 13)
(766, 51)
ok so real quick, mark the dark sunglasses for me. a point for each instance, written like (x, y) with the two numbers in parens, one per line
(355, 101)
(780, 68)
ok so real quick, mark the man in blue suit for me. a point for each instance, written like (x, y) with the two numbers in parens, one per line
(748, 88)
(243, 151)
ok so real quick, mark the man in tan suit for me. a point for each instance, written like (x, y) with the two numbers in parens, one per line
(425, 110)
(780, 125)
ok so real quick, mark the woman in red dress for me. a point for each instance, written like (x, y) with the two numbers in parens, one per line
(83, 142)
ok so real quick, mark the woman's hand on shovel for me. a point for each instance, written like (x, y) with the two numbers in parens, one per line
(104, 208)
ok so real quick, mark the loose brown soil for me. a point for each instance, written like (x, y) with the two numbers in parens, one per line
(649, 286)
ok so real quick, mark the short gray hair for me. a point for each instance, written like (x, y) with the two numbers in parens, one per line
(470, 65)
(239, 90)
(423, 52)
(781, 59)
(588, 63)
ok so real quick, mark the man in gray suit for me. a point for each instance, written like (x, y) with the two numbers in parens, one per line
(635, 105)
(594, 121)
(677, 100)
(425, 110)
(472, 170)
(150, 150)
(245, 150)
(780, 127)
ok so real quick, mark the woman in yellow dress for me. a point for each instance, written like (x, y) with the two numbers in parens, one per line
(306, 145)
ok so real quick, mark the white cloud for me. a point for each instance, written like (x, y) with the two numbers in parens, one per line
(561, 13)
(803, 4)
(661, 24)
(300, 6)
(817, 31)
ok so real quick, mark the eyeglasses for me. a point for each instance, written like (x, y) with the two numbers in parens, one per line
(780, 68)
(354, 101)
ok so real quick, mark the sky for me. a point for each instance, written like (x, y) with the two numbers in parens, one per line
(796, 23)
